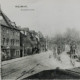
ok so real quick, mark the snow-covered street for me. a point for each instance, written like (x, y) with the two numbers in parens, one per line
(23, 67)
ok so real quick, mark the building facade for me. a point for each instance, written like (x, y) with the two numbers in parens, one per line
(25, 42)
(10, 38)
(43, 45)
(17, 42)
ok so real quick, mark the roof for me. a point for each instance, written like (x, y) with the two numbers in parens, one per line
(6, 21)
(2, 21)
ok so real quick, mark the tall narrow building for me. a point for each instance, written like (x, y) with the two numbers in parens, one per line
(10, 38)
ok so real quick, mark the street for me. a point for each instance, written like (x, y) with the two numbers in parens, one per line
(23, 67)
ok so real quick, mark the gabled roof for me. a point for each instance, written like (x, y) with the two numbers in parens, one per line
(5, 18)
(2, 21)
(6, 21)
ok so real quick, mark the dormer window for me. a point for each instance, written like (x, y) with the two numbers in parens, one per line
(13, 24)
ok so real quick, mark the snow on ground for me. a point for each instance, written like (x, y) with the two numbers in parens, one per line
(66, 63)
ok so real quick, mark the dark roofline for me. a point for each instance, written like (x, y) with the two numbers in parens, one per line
(4, 17)
(10, 27)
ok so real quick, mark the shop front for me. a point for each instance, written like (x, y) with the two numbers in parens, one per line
(8, 53)
(5, 53)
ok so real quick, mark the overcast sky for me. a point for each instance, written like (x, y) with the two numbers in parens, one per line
(47, 16)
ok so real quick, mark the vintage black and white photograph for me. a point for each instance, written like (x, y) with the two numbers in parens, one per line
(39, 39)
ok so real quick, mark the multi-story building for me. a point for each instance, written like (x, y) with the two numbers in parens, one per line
(42, 42)
(25, 42)
(29, 42)
(10, 38)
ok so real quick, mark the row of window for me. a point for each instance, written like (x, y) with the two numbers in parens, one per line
(12, 41)
(7, 31)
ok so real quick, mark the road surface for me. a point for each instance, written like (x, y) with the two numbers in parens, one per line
(23, 67)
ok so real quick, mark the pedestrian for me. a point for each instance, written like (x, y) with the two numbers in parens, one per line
(3, 56)
(72, 53)
(54, 51)
(58, 52)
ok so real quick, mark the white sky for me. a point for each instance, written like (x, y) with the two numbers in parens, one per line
(49, 16)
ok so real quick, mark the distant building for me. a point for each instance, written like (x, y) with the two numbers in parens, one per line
(25, 42)
(18, 42)
(42, 44)
(31, 42)
(10, 38)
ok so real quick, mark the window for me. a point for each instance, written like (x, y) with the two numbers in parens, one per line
(17, 42)
(12, 41)
(3, 29)
(3, 41)
(17, 53)
(7, 41)
(17, 33)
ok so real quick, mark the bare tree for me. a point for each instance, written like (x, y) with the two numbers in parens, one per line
(72, 35)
